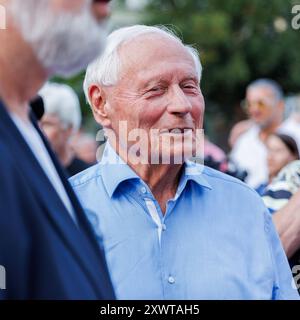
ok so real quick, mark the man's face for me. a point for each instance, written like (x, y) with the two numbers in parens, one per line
(55, 131)
(158, 91)
(278, 155)
(65, 35)
(261, 105)
(100, 8)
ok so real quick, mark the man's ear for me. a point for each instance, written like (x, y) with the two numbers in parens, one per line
(98, 101)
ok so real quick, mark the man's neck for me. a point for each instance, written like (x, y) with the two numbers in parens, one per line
(162, 179)
(21, 74)
(266, 131)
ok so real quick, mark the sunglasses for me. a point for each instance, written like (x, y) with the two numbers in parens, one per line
(260, 104)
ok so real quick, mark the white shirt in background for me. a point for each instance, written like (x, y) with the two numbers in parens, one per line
(250, 153)
(291, 127)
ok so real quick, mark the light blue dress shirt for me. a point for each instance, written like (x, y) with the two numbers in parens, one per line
(215, 241)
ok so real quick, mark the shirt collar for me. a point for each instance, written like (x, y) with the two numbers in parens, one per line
(115, 171)
(194, 171)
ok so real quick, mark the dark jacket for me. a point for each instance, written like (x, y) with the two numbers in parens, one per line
(45, 254)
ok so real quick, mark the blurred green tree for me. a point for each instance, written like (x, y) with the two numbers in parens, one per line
(238, 41)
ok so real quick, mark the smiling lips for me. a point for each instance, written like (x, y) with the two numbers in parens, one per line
(175, 130)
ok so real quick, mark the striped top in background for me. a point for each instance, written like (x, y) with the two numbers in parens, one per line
(282, 187)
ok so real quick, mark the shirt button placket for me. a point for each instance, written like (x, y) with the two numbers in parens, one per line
(143, 190)
(171, 280)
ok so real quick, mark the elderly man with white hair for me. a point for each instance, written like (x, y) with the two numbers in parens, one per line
(60, 122)
(48, 248)
(171, 228)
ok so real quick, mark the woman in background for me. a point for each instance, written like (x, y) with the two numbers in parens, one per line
(282, 149)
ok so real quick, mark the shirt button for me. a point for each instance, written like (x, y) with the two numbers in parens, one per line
(143, 190)
(164, 227)
(171, 280)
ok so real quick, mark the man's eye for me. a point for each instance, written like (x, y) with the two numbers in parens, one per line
(155, 89)
(189, 86)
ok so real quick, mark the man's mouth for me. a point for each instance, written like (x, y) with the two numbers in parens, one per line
(176, 130)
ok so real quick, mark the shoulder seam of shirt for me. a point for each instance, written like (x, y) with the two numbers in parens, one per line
(240, 183)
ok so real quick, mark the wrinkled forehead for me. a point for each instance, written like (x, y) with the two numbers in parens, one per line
(144, 52)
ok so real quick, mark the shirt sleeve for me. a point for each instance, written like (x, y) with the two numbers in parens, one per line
(284, 287)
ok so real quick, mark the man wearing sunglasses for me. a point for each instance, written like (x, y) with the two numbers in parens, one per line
(47, 246)
(265, 106)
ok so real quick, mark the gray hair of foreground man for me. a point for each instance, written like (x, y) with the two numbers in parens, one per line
(105, 69)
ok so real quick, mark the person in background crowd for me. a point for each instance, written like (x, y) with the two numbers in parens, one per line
(281, 150)
(171, 229)
(291, 126)
(279, 197)
(237, 130)
(60, 122)
(213, 151)
(287, 222)
(283, 186)
(85, 147)
(265, 106)
(47, 245)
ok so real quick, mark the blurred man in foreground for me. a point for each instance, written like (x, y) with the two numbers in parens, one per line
(47, 246)
(172, 228)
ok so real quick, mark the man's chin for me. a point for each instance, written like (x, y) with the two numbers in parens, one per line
(176, 155)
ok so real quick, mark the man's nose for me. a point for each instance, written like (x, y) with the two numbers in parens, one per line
(179, 102)
(101, 9)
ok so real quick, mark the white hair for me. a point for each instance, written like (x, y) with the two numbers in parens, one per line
(64, 41)
(61, 101)
(105, 69)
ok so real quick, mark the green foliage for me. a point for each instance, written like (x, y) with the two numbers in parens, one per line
(238, 41)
